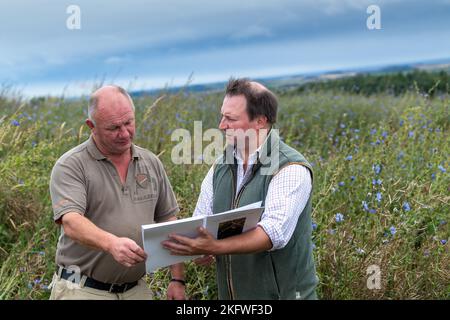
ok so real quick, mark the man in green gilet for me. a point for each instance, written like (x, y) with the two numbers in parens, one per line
(275, 259)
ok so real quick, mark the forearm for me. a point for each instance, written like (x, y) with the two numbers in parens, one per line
(85, 232)
(177, 271)
(255, 240)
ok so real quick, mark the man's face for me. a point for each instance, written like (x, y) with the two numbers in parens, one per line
(235, 117)
(114, 124)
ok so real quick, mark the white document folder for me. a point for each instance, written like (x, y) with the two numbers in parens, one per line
(220, 225)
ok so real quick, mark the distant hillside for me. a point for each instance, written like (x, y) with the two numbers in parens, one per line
(428, 82)
(431, 77)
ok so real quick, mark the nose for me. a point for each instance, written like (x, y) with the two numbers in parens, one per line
(223, 124)
(124, 132)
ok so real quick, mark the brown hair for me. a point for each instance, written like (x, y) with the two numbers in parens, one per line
(260, 101)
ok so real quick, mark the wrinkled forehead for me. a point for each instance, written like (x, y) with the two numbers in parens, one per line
(114, 108)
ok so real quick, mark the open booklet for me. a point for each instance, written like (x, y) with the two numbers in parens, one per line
(221, 225)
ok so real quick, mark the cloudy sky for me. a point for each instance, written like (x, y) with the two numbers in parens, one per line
(148, 44)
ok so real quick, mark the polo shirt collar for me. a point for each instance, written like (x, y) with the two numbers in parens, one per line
(97, 155)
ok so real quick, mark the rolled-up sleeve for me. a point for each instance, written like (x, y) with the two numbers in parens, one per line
(287, 196)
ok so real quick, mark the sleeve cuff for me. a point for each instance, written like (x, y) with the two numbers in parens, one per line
(66, 210)
(171, 213)
(273, 234)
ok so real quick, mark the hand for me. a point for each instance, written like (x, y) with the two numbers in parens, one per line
(206, 260)
(176, 291)
(126, 252)
(184, 246)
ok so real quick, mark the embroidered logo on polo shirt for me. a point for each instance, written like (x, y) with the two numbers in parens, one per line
(142, 180)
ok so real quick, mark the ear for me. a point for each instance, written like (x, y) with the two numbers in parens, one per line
(90, 124)
(261, 121)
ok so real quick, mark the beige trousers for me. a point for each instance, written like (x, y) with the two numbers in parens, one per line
(66, 290)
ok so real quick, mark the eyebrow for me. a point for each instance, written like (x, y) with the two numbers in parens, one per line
(227, 114)
(114, 125)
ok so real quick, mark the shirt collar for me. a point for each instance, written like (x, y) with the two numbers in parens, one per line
(97, 155)
(252, 159)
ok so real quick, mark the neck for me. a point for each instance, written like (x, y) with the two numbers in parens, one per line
(250, 148)
(116, 158)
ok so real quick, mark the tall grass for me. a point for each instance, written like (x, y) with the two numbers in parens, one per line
(381, 189)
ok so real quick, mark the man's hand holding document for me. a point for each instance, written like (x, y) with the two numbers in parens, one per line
(207, 228)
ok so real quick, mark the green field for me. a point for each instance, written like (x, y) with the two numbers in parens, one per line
(381, 190)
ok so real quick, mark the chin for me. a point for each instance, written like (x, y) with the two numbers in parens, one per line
(123, 147)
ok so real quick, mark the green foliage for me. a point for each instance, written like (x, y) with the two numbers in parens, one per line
(430, 83)
(379, 161)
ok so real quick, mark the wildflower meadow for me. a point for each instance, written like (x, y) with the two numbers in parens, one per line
(381, 194)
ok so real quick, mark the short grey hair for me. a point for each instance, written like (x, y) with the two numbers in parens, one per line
(93, 102)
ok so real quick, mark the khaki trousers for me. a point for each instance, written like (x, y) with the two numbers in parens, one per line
(66, 290)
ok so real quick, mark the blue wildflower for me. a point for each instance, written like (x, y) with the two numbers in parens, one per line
(356, 130)
(33, 144)
(392, 230)
(342, 126)
(365, 206)
(314, 226)
(353, 178)
(406, 206)
(401, 122)
(377, 181)
(15, 123)
(372, 211)
(442, 168)
(443, 241)
(379, 196)
(433, 176)
(349, 158)
(373, 131)
(411, 134)
(339, 217)
(341, 184)
(384, 134)
(376, 168)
